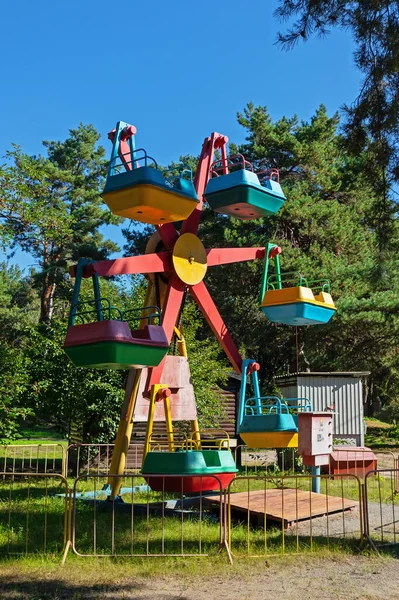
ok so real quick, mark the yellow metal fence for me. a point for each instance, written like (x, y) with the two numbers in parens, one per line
(34, 514)
(32, 458)
(260, 514)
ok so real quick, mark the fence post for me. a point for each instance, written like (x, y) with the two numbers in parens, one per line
(364, 509)
(316, 480)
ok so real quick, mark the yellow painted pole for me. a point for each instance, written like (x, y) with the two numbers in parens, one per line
(169, 424)
(124, 434)
(181, 346)
(155, 389)
(125, 429)
(195, 434)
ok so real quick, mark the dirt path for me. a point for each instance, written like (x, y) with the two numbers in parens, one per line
(293, 578)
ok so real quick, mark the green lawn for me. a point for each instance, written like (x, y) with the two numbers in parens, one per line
(32, 512)
(381, 435)
(39, 450)
(32, 520)
(40, 433)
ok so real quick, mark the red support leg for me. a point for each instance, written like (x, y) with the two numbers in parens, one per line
(208, 308)
(170, 314)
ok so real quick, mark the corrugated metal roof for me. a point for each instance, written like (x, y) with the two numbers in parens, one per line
(325, 374)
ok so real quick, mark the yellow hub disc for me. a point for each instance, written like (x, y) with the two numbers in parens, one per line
(189, 259)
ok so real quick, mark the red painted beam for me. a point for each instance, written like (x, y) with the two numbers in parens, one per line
(209, 310)
(168, 234)
(224, 256)
(172, 305)
(146, 263)
(215, 141)
(170, 314)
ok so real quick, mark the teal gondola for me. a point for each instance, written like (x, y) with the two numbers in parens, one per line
(267, 421)
(135, 188)
(290, 299)
(236, 190)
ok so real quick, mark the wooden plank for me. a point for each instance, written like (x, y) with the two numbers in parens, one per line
(286, 505)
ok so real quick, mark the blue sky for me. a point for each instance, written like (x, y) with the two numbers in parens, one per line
(176, 70)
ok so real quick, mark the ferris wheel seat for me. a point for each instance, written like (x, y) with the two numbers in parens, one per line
(110, 344)
(268, 422)
(298, 306)
(273, 439)
(189, 471)
(240, 194)
(276, 429)
(144, 195)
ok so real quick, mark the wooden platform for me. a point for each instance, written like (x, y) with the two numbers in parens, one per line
(285, 506)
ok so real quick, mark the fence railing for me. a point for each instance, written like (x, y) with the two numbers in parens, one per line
(34, 514)
(88, 459)
(147, 523)
(275, 515)
(265, 510)
(381, 507)
(32, 458)
(255, 461)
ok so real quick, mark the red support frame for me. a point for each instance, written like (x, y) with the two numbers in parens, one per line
(208, 308)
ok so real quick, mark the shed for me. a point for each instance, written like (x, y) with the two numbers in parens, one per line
(340, 392)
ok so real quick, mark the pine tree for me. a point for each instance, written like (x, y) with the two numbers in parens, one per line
(372, 120)
(50, 207)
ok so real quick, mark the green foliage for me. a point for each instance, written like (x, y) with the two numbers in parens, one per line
(13, 388)
(372, 120)
(326, 228)
(322, 229)
(66, 394)
(50, 207)
(16, 299)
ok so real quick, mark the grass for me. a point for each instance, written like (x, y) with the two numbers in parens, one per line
(381, 435)
(41, 449)
(373, 422)
(93, 569)
(39, 434)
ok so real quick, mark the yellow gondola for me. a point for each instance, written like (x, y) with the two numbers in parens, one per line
(301, 302)
(135, 188)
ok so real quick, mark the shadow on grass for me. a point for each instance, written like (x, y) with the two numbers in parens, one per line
(17, 588)
(31, 519)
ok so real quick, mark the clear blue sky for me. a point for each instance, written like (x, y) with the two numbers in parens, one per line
(177, 70)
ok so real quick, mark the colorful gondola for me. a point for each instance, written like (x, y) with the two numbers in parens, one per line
(236, 190)
(290, 299)
(135, 188)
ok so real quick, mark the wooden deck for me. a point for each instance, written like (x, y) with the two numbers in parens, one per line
(285, 506)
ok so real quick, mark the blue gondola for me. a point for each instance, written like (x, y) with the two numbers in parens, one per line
(290, 298)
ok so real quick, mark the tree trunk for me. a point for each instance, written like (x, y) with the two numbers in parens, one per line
(47, 301)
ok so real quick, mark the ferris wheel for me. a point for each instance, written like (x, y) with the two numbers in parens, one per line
(175, 264)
